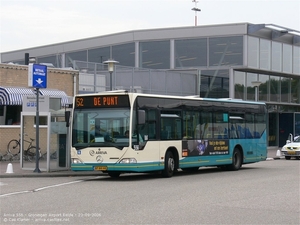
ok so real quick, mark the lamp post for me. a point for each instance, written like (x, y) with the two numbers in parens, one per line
(256, 85)
(111, 63)
(196, 10)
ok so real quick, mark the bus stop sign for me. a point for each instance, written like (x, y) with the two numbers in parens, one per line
(37, 76)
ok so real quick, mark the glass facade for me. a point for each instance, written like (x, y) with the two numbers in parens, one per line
(295, 90)
(99, 55)
(154, 54)
(296, 60)
(276, 56)
(214, 84)
(250, 94)
(253, 52)
(240, 84)
(226, 51)
(53, 59)
(264, 88)
(287, 65)
(79, 56)
(272, 55)
(272, 88)
(265, 54)
(124, 54)
(191, 53)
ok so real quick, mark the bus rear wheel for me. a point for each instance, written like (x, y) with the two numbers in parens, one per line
(169, 165)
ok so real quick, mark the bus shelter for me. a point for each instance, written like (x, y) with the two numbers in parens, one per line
(53, 135)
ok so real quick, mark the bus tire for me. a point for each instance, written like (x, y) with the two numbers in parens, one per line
(169, 165)
(114, 174)
(236, 160)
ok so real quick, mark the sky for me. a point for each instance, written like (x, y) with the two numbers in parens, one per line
(31, 23)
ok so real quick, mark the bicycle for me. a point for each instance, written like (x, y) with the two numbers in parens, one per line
(14, 147)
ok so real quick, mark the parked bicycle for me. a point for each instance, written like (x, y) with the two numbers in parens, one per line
(14, 148)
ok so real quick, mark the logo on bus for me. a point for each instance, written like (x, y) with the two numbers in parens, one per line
(99, 159)
(101, 152)
(92, 152)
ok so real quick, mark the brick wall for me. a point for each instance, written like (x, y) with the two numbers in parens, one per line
(17, 76)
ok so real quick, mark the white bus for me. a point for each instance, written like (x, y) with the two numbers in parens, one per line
(121, 132)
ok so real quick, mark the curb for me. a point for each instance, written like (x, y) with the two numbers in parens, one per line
(48, 174)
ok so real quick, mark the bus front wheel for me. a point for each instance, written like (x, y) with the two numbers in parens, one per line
(236, 160)
(169, 165)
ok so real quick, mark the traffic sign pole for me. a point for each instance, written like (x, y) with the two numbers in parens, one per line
(37, 125)
(37, 78)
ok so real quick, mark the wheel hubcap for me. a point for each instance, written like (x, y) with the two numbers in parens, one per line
(171, 164)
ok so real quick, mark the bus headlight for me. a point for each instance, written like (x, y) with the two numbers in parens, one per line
(128, 160)
(76, 161)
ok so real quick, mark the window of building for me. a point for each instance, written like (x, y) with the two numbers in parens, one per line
(214, 83)
(263, 89)
(296, 61)
(287, 65)
(224, 51)
(285, 86)
(265, 54)
(239, 85)
(253, 53)
(274, 83)
(295, 91)
(79, 56)
(13, 114)
(154, 55)
(53, 59)
(250, 88)
(276, 56)
(191, 53)
(99, 55)
(124, 54)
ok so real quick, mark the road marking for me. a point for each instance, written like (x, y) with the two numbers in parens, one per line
(2, 184)
(39, 189)
(56, 185)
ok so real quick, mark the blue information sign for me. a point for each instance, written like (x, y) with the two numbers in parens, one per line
(37, 76)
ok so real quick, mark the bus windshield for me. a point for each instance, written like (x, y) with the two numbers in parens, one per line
(101, 127)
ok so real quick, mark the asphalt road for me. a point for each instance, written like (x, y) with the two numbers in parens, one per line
(262, 193)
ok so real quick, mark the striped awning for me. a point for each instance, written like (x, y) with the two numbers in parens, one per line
(55, 93)
(13, 95)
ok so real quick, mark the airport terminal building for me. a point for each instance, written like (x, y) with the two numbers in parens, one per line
(245, 61)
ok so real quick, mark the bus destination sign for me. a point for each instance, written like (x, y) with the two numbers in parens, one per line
(100, 101)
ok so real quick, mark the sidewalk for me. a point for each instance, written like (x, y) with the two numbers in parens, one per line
(19, 172)
(15, 170)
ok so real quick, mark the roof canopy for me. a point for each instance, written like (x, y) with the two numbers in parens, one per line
(14, 95)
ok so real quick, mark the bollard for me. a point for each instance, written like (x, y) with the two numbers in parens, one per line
(9, 168)
(278, 153)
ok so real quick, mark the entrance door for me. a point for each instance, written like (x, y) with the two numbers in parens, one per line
(286, 127)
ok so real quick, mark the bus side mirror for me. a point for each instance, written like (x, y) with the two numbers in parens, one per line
(67, 118)
(142, 117)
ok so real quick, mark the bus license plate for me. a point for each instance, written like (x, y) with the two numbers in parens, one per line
(101, 168)
(291, 152)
